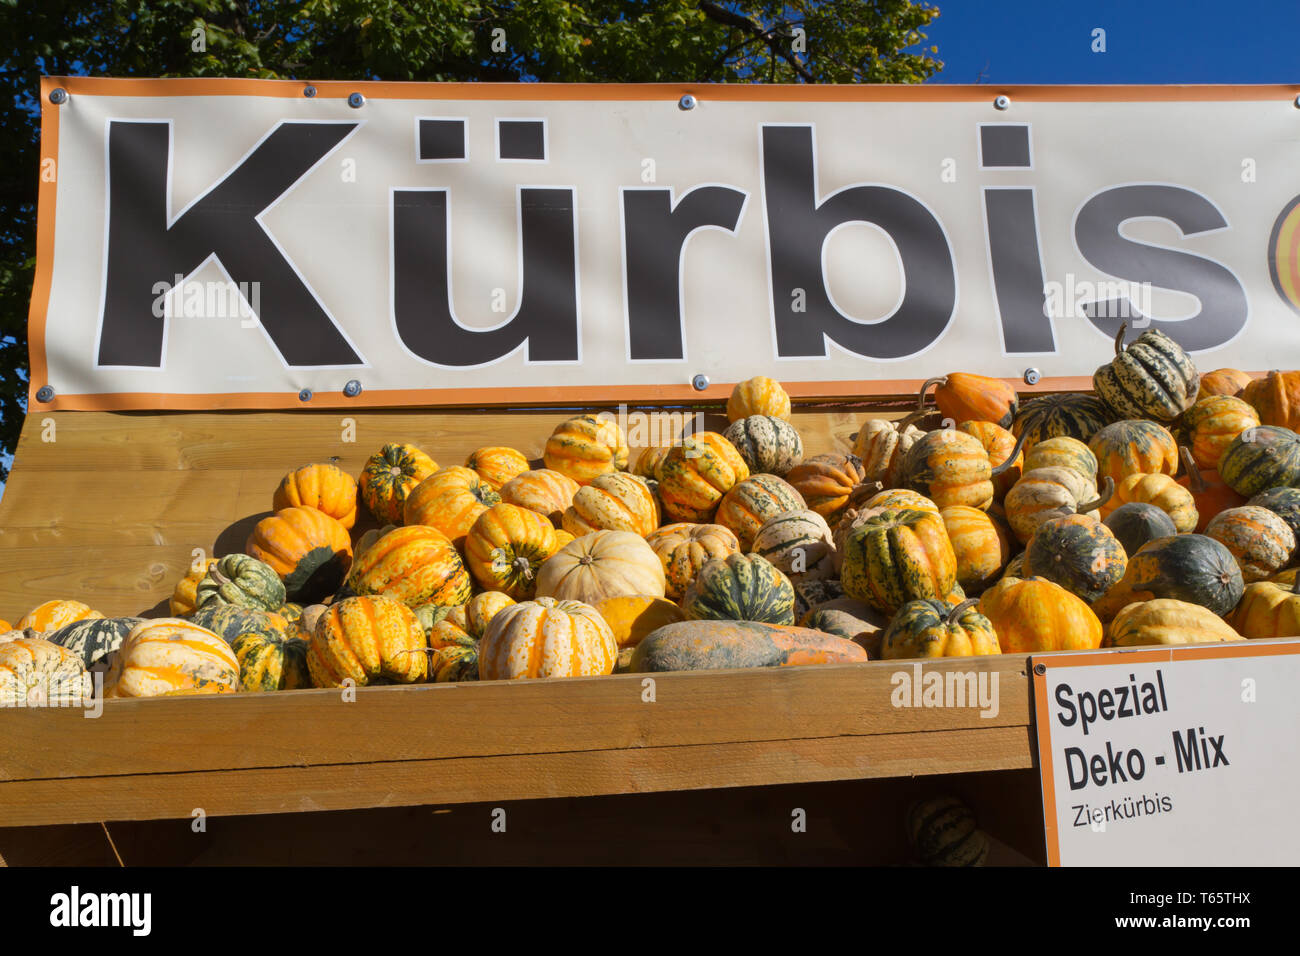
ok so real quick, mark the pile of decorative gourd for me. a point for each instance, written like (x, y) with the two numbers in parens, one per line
(1059, 524)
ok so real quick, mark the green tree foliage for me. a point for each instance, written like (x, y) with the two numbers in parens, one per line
(813, 41)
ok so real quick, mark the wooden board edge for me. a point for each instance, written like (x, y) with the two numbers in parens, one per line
(502, 779)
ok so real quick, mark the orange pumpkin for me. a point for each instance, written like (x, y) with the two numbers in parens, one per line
(1159, 490)
(1210, 425)
(506, 547)
(586, 446)
(745, 508)
(309, 550)
(497, 464)
(831, 483)
(185, 595)
(415, 565)
(1276, 397)
(683, 548)
(695, 475)
(952, 467)
(1210, 492)
(1000, 445)
(759, 395)
(326, 488)
(545, 491)
(647, 463)
(365, 639)
(451, 501)
(616, 501)
(1224, 381)
(963, 397)
(981, 548)
(53, 615)
(632, 616)
(390, 476)
(1134, 446)
(1033, 615)
(547, 638)
(1268, 609)
(1260, 541)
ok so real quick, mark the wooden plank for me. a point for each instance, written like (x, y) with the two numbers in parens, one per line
(123, 442)
(515, 777)
(488, 719)
(177, 510)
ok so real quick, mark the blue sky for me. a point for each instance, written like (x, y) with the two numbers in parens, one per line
(1147, 41)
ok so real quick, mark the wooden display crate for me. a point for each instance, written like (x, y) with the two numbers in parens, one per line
(109, 507)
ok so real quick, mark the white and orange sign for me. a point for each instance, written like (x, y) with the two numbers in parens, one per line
(1172, 756)
(241, 243)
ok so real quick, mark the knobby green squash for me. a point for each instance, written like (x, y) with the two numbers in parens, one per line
(897, 556)
(1152, 378)
(768, 444)
(740, 587)
(243, 581)
(937, 629)
(715, 645)
(1260, 459)
(1077, 552)
(1070, 415)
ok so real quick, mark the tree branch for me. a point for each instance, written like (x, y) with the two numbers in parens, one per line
(719, 14)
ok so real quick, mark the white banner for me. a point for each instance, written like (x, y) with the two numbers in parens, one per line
(239, 243)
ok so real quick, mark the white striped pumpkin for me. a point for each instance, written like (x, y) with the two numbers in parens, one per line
(37, 672)
(799, 543)
(547, 638)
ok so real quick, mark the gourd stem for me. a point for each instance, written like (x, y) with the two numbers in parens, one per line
(1015, 453)
(864, 491)
(961, 609)
(1194, 480)
(920, 399)
(523, 566)
(1119, 338)
(1295, 582)
(1107, 490)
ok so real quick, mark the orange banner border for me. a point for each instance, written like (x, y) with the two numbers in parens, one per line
(648, 394)
(1269, 647)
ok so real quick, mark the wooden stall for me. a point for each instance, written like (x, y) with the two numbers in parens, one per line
(111, 506)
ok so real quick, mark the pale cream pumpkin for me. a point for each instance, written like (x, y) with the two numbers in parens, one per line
(616, 501)
(799, 543)
(601, 565)
(166, 655)
(547, 638)
(543, 490)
